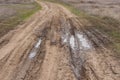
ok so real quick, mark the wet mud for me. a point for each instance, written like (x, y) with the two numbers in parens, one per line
(54, 45)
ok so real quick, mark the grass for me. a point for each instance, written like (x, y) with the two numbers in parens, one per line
(23, 12)
(28, 13)
(107, 25)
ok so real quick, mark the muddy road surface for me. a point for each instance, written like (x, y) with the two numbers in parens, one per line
(54, 45)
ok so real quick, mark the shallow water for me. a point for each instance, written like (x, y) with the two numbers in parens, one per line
(83, 41)
(35, 49)
(72, 42)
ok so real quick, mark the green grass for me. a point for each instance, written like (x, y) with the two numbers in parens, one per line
(28, 13)
(23, 12)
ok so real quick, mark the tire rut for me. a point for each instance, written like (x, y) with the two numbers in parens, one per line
(54, 45)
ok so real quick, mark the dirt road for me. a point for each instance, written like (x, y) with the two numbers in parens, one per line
(54, 45)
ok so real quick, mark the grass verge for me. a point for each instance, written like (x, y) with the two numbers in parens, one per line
(109, 26)
(23, 11)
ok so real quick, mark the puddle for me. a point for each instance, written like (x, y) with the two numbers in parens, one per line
(79, 41)
(72, 42)
(79, 45)
(65, 38)
(35, 49)
(83, 41)
(38, 43)
(32, 54)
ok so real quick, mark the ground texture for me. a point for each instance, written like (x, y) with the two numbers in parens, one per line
(110, 8)
(54, 45)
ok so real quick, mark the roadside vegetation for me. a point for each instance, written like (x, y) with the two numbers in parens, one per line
(109, 26)
(15, 14)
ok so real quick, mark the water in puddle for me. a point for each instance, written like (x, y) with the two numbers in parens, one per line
(38, 43)
(83, 41)
(65, 38)
(35, 49)
(72, 42)
(32, 54)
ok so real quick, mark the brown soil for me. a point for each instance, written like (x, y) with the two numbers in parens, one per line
(54, 45)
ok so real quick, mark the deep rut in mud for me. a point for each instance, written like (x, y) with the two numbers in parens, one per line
(54, 45)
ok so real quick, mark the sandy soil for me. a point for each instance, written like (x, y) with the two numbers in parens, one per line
(54, 45)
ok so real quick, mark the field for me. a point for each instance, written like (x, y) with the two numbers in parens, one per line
(13, 14)
(107, 24)
(109, 8)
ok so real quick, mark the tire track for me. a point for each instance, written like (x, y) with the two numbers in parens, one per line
(54, 45)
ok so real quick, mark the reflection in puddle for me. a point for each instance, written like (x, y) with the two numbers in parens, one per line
(72, 42)
(38, 43)
(35, 49)
(77, 41)
(79, 45)
(83, 41)
(32, 54)
(65, 38)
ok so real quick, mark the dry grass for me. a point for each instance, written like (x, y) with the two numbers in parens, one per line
(18, 13)
(110, 27)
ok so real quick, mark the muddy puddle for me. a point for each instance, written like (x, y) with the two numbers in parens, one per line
(79, 45)
(77, 41)
(35, 49)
